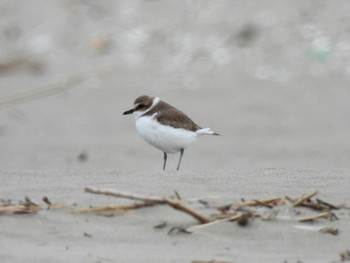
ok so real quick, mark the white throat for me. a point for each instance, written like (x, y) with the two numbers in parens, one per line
(138, 114)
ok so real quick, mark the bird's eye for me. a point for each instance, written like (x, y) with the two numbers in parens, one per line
(139, 106)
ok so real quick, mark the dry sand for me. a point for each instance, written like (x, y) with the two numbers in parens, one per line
(280, 98)
(58, 235)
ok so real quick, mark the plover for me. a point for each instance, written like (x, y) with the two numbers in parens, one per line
(165, 127)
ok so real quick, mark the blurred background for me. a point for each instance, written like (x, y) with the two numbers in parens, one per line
(271, 76)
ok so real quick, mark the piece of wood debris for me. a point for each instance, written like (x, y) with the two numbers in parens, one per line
(240, 212)
(313, 217)
(315, 206)
(18, 209)
(258, 202)
(116, 208)
(304, 198)
(288, 200)
(178, 230)
(330, 230)
(115, 193)
(178, 205)
(214, 222)
(330, 206)
(26, 207)
(263, 202)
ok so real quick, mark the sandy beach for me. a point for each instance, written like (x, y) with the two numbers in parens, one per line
(62, 235)
(271, 78)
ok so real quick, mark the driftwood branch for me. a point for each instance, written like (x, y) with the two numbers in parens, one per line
(178, 205)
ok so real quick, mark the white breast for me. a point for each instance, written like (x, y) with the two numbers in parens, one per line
(165, 138)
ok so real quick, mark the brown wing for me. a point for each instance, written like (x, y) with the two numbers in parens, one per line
(168, 115)
(176, 119)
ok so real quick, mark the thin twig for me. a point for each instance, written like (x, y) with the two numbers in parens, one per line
(304, 198)
(177, 195)
(311, 218)
(117, 208)
(258, 202)
(330, 206)
(115, 193)
(264, 202)
(28, 207)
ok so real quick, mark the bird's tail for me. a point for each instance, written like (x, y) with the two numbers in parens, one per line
(206, 131)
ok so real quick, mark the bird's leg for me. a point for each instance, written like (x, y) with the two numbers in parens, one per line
(181, 153)
(165, 157)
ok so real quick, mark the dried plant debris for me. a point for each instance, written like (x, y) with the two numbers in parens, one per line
(108, 210)
(302, 209)
(179, 230)
(345, 255)
(311, 214)
(25, 207)
(313, 217)
(243, 219)
(21, 207)
(160, 225)
(319, 228)
(330, 230)
(50, 205)
(150, 201)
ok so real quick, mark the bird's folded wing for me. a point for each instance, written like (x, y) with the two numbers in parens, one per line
(176, 119)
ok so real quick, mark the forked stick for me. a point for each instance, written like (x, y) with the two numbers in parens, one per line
(180, 206)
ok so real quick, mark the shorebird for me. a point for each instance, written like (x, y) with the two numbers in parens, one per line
(165, 127)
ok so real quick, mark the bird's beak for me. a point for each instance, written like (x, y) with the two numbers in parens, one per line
(128, 112)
